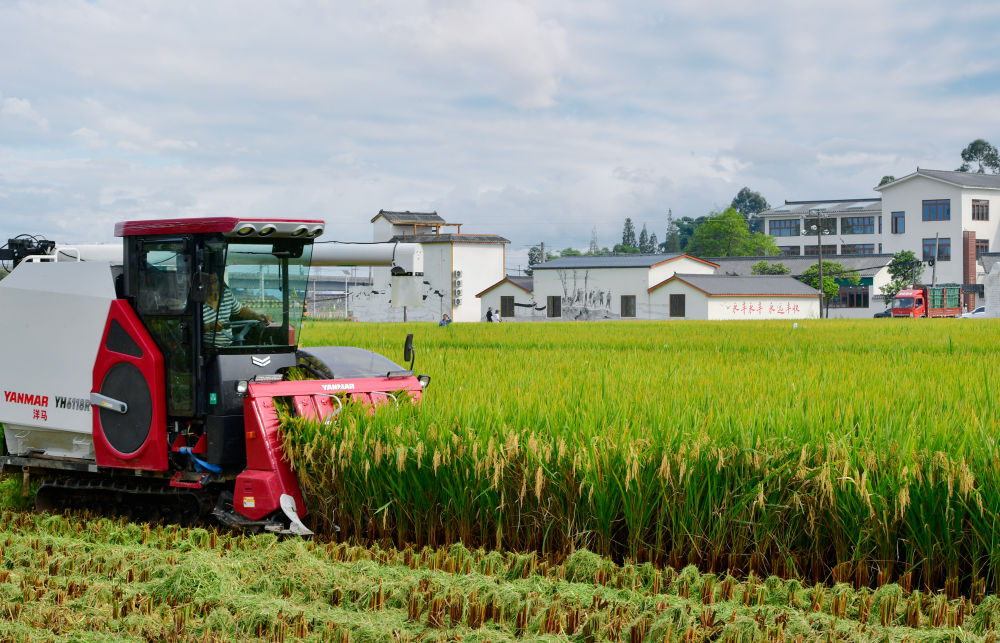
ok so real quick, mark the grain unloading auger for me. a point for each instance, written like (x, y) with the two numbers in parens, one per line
(146, 378)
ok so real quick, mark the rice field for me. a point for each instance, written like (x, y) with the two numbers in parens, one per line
(70, 578)
(837, 451)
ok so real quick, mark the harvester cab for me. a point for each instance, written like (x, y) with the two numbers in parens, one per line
(172, 361)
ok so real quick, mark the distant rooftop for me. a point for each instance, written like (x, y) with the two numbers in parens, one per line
(727, 285)
(960, 179)
(866, 265)
(611, 261)
(411, 218)
(449, 238)
(829, 206)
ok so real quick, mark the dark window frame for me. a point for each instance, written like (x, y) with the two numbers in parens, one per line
(628, 306)
(783, 227)
(553, 307)
(980, 210)
(828, 250)
(982, 247)
(857, 225)
(790, 251)
(678, 305)
(936, 210)
(943, 246)
(899, 222)
(857, 249)
(507, 305)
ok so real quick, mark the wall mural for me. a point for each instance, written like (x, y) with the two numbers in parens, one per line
(582, 302)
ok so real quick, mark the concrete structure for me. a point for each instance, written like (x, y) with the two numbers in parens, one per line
(456, 266)
(725, 297)
(607, 287)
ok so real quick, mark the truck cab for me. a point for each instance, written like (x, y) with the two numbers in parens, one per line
(911, 302)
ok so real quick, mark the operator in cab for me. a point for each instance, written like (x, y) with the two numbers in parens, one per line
(222, 308)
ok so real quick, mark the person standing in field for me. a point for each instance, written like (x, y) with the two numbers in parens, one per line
(445, 320)
(489, 314)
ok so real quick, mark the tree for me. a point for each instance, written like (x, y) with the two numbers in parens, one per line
(645, 247)
(628, 234)
(672, 242)
(725, 234)
(749, 203)
(984, 155)
(832, 273)
(764, 268)
(904, 269)
(570, 252)
(622, 249)
(888, 178)
(653, 245)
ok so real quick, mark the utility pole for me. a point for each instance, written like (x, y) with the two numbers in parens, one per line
(934, 267)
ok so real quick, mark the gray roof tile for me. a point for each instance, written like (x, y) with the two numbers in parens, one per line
(721, 285)
(609, 261)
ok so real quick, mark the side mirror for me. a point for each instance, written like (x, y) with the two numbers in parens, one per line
(199, 288)
(408, 350)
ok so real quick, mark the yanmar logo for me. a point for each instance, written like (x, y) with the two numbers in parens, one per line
(30, 399)
(338, 387)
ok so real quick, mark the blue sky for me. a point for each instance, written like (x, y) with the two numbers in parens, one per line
(538, 121)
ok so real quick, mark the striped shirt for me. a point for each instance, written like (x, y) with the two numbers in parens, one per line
(229, 306)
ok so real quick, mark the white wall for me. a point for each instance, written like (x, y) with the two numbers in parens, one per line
(908, 197)
(482, 266)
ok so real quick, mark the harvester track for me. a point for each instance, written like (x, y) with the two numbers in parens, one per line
(142, 501)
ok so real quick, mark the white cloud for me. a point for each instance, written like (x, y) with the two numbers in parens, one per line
(21, 108)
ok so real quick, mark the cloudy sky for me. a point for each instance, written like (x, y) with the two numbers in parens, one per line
(538, 121)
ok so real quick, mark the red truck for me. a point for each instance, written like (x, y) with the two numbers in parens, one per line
(928, 301)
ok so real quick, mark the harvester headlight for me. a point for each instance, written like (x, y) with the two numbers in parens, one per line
(267, 230)
(241, 387)
(315, 232)
(299, 231)
(246, 230)
(425, 380)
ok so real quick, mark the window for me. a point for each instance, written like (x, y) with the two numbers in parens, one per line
(982, 247)
(507, 306)
(857, 249)
(857, 225)
(851, 297)
(790, 251)
(553, 307)
(784, 227)
(676, 305)
(937, 210)
(943, 246)
(880, 224)
(898, 222)
(829, 225)
(830, 250)
(980, 210)
(628, 305)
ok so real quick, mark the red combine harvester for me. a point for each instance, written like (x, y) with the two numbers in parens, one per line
(146, 376)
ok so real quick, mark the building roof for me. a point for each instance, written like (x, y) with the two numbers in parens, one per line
(867, 206)
(613, 261)
(449, 238)
(865, 265)
(959, 179)
(757, 285)
(410, 218)
(524, 283)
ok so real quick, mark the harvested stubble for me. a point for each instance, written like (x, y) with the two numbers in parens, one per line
(854, 451)
(66, 578)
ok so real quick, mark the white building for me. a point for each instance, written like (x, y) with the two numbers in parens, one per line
(946, 211)
(607, 287)
(456, 266)
(724, 297)
(647, 287)
(929, 212)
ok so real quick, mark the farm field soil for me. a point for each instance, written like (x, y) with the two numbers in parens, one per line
(67, 578)
(837, 450)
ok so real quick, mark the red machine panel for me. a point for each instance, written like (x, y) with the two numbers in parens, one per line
(129, 369)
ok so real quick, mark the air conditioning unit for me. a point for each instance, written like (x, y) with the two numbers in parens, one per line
(456, 274)
(457, 283)
(458, 293)
(457, 302)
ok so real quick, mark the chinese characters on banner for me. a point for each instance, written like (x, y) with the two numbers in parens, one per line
(747, 309)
